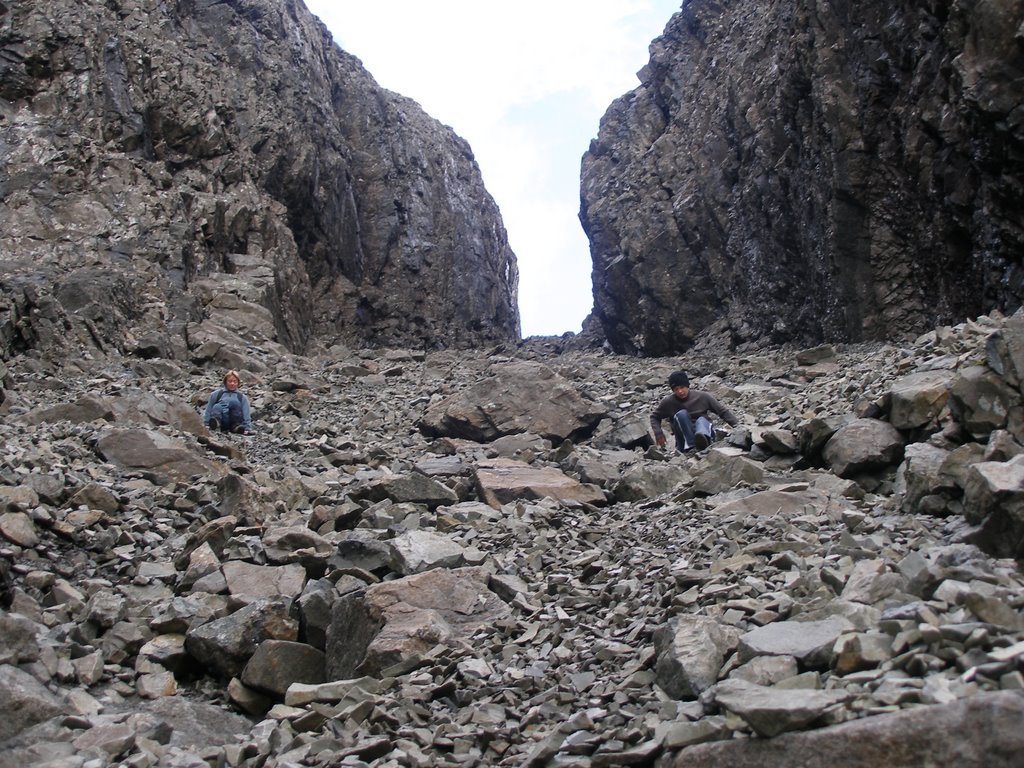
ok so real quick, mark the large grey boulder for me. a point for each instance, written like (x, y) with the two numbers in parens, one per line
(226, 644)
(691, 650)
(277, 664)
(919, 399)
(396, 620)
(994, 500)
(517, 397)
(25, 701)
(862, 446)
(809, 642)
(981, 400)
(771, 711)
(416, 551)
(149, 451)
(500, 481)
(981, 731)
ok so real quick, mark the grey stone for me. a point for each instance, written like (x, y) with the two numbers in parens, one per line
(25, 701)
(501, 481)
(277, 664)
(519, 397)
(919, 399)
(862, 446)
(809, 642)
(771, 711)
(691, 650)
(417, 551)
(225, 645)
(978, 732)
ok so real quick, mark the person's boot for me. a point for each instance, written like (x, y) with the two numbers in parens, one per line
(215, 424)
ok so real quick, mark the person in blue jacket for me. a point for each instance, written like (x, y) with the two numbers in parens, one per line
(228, 408)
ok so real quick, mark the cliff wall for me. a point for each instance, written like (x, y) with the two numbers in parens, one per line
(811, 170)
(174, 171)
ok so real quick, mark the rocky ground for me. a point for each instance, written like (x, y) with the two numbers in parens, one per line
(429, 559)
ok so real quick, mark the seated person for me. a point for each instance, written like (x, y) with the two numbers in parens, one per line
(228, 409)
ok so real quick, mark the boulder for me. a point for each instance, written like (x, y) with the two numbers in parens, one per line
(771, 711)
(248, 582)
(809, 642)
(994, 500)
(277, 664)
(143, 449)
(395, 621)
(690, 653)
(981, 400)
(981, 731)
(518, 397)
(417, 551)
(226, 644)
(862, 446)
(500, 481)
(919, 399)
(25, 701)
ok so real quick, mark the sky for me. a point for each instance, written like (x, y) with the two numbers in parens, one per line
(526, 84)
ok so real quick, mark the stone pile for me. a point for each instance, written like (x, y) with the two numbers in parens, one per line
(421, 560)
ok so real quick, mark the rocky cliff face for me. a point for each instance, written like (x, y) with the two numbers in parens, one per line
(176, 174)
(811, 171)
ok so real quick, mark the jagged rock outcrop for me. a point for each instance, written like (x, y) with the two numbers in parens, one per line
(177, 175)
(806, 171)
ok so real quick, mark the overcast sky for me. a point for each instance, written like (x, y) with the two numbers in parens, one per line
(526, 84)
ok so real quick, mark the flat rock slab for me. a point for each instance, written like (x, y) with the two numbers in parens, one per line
(771, 711)
(809, 642)
(782, 504)
(982, 731)
(501, 481)
(144, 449)
(248, 581)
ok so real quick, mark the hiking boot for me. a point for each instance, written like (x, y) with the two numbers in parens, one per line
(240, 430)
(702, 441)
(215, 425)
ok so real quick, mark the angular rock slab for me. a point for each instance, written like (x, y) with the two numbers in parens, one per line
(809, 642)
(691, 650)
(919, 398)
(226, 644)
(994, 498)
(519, 397)
(771, 711)
(144, 449)
(24, 701)
(417, 551)
(394, 621)
(782, 504)
(982, 731)
(278, 664)
(862, 446)
(249, 582)
(501, 481)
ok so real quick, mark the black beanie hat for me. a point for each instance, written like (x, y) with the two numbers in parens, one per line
(678, 379)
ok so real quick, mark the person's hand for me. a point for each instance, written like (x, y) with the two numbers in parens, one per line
(661, 441)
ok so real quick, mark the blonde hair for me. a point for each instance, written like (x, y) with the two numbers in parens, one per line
(232, 373)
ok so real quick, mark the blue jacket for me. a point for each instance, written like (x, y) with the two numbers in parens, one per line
(222, 398)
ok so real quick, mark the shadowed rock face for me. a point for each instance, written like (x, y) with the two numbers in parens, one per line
(165, 161)
(811, 171)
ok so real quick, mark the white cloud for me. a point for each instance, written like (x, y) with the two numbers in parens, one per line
(526, 85)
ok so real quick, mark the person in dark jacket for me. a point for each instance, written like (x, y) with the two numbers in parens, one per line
(228, 408)
(688, 410)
